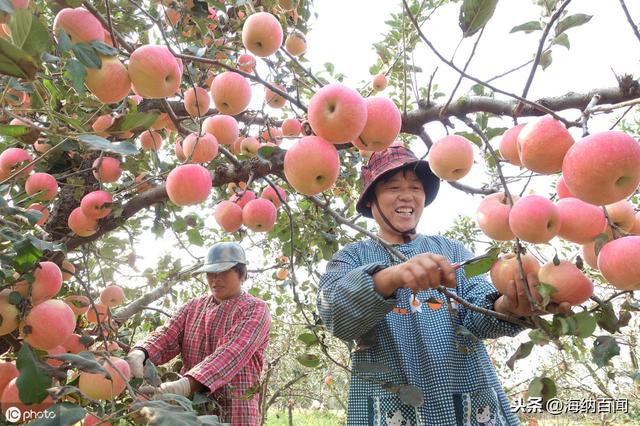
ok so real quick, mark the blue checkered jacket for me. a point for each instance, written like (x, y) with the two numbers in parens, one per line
(454, 372)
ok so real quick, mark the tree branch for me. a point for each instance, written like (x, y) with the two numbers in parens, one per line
(636, 31)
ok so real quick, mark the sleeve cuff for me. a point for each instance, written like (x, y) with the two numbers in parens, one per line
(146, 354)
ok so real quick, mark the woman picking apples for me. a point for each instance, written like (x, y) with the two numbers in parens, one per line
(366, 296)
(221, 338)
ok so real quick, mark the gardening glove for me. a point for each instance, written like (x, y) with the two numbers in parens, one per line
(178, 387)
(136, 363)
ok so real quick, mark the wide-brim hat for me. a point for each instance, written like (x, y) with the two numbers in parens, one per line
(386, 162)
(222, 257)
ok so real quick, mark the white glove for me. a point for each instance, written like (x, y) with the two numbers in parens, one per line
(135, 358)
(178, 387)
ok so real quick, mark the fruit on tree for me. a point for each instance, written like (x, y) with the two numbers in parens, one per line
(111, 82)
(10, 398)
(561, 189)
(451, 157)
(242, 198)
(107, 169)
(96, 204)
(8, 313)
(200, 149)
(179, 151)
(273, 99)
(507, 269)
(270, 194)
(98, 386)
(97, 314)
(188, 184)
(379, 82)
(618, 262)
(291, 127)
(196, 101)
(337, 113)
(78, 303)
(228, 215)
(15, 158)
(102, 123)
(603, 168)
(535, 219)
(296, 43)
(154, 71)
(150, 140)
(262, 34)
(580, 222)
(223, 127)
(542, 144)
(231, 93)
(508, 145)
(622, 215)
(382, 126)
(112, 296)
(8, 372)
(572, 286)
(246, 62)
(259, 215)
(493, 216)
(42, 184)
(79, 24)
(311, 165)
(48, 324)
(249, 146)
(82, 225)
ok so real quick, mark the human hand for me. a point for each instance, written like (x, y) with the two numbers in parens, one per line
(178, 387)
(514, 301)
(425, 271)
(135, 359)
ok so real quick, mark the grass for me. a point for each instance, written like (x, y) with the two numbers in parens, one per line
(306, 418)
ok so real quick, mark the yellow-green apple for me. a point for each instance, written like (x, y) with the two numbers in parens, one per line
(98, 386)
(99, 314)
(451, 157)
(79, 223)
(67, 269)
(562, 190)
(543, 143)
(508, 145)
(622, 215)
(507, 269)
(110, 83)
(379, 82)
(249, 146)
(79, 24)
(48, 324)
(296, 43)
(270, 194)
(572, 286)
(580, 222)
(231, 93)
(13, 159)
(288, 5)
(197, 101)
(150, 140)
(262, 34)
(8, 313)
(188, 184)
(42, 184)
(107, 169)
(228, 215)
(96, 204)
(618, 262)
(79, 304)
(102, 123)
(200, 149)
(311, 165)
(154, 71)
(337, 113)
(243, 197)
(223, 127)
(246, 63)
(382, 126)
(603, 168)
(42, 209)
(535, 219)
(291, 127)
(180, 151)
(11, 403)
(112, 296)
(259, 215)
(493, 216)
(273, 99)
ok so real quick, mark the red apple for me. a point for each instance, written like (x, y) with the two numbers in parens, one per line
(451, 157)
(259, 215)
(580, 222)
(509, 145)
(542, 145)
(231, 93)
(507, 269)
(493, 216)
(572, 286)
(223, 127)
(337, 113)
(188, 184)
(382, 126)
(228, 215)
(155, 72)
(311, 165)
(618, 262)
(535, 219)
(262, 34)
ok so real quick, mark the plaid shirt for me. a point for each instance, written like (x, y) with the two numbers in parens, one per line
(222, 346)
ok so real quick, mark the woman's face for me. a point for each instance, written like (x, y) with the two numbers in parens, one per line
(401, 200)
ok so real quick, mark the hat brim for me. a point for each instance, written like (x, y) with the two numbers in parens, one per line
(217, 267)
(430, 183)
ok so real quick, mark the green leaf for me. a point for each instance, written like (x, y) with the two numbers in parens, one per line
(411, 395)
(523, 351)
(604, 348)
(137, 121)
(607, 319)
(266, 152)
(562, 40)
(99, 143)
(16, 62)
(372, 368)
(86, 55)
(75, 72)
(585, 324)
(14, 131)
(546, 59)
(527, 27)
(150, 374)
(308, 339)
(84, 361)
(546, 291)
(543, 387)
(32, 381)
(64, 42)
(26, 255)
(104, 49)
(64, 413)
(309, 360)
(481, 264)
(572, 21)
(28, 33)
(195, 237)
(474, 14)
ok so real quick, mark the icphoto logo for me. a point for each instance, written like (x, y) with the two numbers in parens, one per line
(13, 414)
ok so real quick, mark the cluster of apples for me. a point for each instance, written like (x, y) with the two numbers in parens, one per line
(243, 208)
(601, 170)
